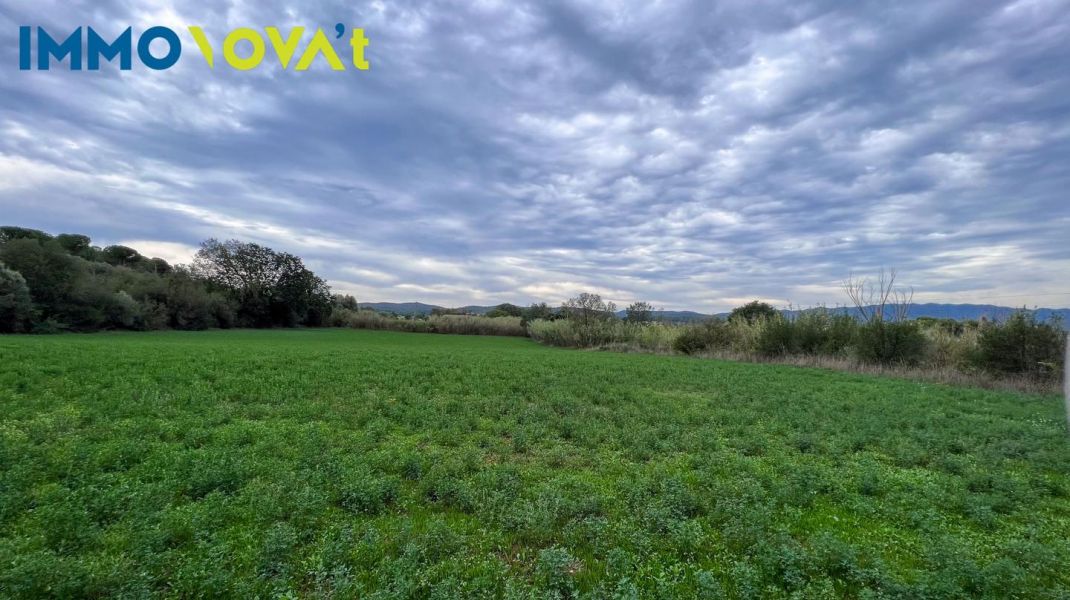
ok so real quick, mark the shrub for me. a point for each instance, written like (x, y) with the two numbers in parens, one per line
(1022, 346)
(884, 342)
(949, 347)
(453, 324)
(16, 307)
(121, 311)
(568, 333)
(776, 337)
(714, 334)
(821, 332)
(812, 333)
(474, 325)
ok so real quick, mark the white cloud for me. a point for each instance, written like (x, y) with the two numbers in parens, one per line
(523, 151)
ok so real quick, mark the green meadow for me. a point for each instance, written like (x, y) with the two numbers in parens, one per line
(368, 464)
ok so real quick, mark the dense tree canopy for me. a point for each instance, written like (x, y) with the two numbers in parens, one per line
(754, 311)
(506, 310)
(16, 306)
(270, 288)
(63, 282)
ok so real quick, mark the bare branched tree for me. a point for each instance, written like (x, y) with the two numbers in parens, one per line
(588, 308)
(876, 301)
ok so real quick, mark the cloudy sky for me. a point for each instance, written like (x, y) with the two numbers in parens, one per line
(693, 154)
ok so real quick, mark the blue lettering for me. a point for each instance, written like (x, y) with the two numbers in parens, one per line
(174, 48)
(97, 47)
(46, 46)
(24, 48)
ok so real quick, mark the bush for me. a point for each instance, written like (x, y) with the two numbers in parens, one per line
(568, 333)
(950, 347)
(474, 325)
(1022, 346)
(452, 324)
(883, 342)
(812, 333)
(612, 334)
(776, 337)
(16, 307)
(714, 334)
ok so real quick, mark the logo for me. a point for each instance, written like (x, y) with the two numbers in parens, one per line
(242, 49)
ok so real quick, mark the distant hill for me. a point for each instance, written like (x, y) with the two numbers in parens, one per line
(673, 316)
(965, 312)
(421, 309)
(958, 312)
(401, 308)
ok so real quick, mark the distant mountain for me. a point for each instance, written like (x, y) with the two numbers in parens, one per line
(673, 316)
(958, 312)
(401, 308)
(976, 311)
(476, 310)
(964, 312)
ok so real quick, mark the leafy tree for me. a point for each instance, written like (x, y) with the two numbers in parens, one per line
(9, 233)
(189, 304)
(506, 310)
(158, 266)
(121, 255)
(299, 297)
(51, 274)
(16, 306)
(537, 311)
(346, 301)
(71, 284)
(639, 312)
(76, 244)
(270, 288)
(752, 312)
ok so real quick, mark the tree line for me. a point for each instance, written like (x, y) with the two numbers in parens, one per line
(51, 283)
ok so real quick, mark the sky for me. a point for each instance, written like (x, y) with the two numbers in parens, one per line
(696, 155)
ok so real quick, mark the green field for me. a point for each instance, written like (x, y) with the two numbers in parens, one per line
(340, 463)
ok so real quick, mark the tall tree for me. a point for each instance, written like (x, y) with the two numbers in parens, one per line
(639, 312)
(271, 288)
(588, 309)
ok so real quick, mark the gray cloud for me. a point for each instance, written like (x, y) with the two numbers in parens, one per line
(688, 153)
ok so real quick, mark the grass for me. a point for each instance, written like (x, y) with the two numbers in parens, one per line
(342, 463)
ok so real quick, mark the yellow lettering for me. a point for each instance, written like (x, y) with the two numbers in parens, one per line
(359, 43)
(320, 45)
(243, 64)
(203, 45)
(286, 49)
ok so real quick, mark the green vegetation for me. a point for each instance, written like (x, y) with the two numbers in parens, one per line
(50, 284)
(1021, 351)
(450, 324)
(341, 463)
